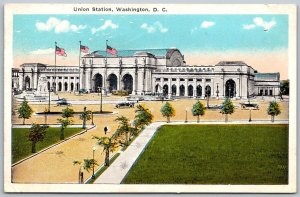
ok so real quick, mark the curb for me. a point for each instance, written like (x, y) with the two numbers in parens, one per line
(53, 145)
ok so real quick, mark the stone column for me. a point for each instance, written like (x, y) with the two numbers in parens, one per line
(186, 88)
(195, 88)
(69, 84)
(203, 89)
(170, 88)
(177, 86)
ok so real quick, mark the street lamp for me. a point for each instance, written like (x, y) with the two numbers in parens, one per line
(100, 90)
(49, 99)
(94, 148)
(92, 118)
(217, 90)
(250, 118)
(186, 109)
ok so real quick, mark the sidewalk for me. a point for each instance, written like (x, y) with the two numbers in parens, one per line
(121, 166)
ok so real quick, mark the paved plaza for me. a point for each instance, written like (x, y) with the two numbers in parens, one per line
(55, 164)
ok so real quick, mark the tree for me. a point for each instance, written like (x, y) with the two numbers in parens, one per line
(84, 116)
(36, 134)
(227, 108)
(67, 113)
(284, 87)
(143, 117)
(273, 110)
(167, 111)
(64, 122)
(198, 110)
(124, 128)
(108, 144)
(25, 110)
(88, 164)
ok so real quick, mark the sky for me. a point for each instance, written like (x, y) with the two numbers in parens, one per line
(259, 40)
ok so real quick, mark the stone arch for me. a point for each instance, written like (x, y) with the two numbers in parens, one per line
(181, 90)
(174, 89)
(127, 81)
(97, 82)
(208, 90)
(190, 90)
(59, 86)
(66, 86)
(54, 86)
(27, 82)
(112, 80)
(72, 87)
(165, 90)
(157, 88)
(199, 90)
(230, 90)
(77, 86)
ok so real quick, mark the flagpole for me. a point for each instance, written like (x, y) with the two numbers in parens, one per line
(79, 66)
(106, 49)
(55, 66)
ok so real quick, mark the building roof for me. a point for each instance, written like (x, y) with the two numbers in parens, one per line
(262, 76)
(231, 63)
(162, 53)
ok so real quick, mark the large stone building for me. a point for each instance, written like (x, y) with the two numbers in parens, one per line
(151, 71)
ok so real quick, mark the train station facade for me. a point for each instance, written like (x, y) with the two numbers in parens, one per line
(153, 71)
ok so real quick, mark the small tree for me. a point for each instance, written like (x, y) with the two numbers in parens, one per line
(36, 134)
(143, 117)
(64, 122)
(86, 115)
(167, 111)
(123, 128)
(25, 110)
(108, 144)
(273, 110)
(67, 113)
(87, 165)
(198, 110)
(227, 108)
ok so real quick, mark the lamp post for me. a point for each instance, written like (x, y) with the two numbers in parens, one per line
(94, 148)
(217, 90)
(49, 99)
(92, 118)
(186, 109)
(100, 90)
(250, 118)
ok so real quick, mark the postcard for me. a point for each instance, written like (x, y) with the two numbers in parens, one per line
(167, 98)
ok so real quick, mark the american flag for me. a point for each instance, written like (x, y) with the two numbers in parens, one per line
(60, 51)
(111, 50)
(84, 49)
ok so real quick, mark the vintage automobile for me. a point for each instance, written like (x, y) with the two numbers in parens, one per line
(83, 91)
(62, 101)
(249, 105)
(125, 104)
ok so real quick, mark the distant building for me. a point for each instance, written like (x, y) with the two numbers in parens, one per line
(151, 71)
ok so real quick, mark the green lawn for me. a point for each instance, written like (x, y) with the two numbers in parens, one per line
(214, 154)
(21, 147)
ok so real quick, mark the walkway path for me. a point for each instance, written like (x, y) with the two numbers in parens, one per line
(121, 166)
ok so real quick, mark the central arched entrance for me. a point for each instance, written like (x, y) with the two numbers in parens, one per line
(207, 91)
(199, 90)
(127, 83)
(98, 82)
(165, 90)
(181, 90)
(190, 90)
(27, 83)
(112, 82)
(230, 88)
(173, 90)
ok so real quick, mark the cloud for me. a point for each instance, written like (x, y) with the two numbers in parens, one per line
(107, 24)
(259, 22)
(42, 51)
(207, 24)
(59, 26)
(157, 26)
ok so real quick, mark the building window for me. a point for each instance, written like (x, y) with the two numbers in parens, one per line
(208, 80)
(72, 77)
(66, 77)
(59, 77)
(77, 77)
(157, 79)
(181, 79)
(191, 79)
(173, 79)
(165, 79)
(199, 79)
(48, 77)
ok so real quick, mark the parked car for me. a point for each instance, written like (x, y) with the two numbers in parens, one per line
(125, 104)
(248, 105)
(62, 101)
(83, 91)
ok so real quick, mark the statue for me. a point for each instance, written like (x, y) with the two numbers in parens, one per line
(42, 89)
